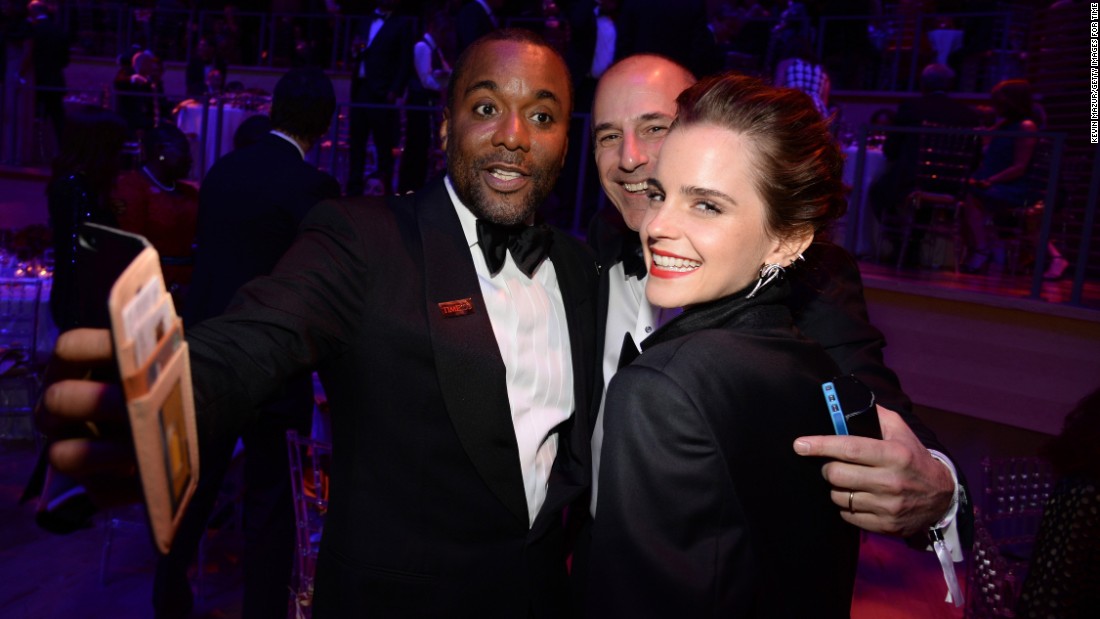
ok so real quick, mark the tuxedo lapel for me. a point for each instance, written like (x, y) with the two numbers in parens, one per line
(468, 363)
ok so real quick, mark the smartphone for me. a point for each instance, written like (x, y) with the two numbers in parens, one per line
(851, 406)
(102, 254)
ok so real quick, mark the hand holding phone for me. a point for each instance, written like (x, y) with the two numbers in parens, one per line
(152, 359)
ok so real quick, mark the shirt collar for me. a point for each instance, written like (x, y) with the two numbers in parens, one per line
(466, 217)
(286, 137)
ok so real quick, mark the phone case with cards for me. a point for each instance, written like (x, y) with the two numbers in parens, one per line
(154, 364)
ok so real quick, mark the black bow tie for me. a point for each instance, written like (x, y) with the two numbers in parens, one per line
(631, 255)
(529, 245)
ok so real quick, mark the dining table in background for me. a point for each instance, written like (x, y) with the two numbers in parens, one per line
(223, 117)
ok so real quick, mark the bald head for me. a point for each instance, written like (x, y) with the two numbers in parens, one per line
(634, 105)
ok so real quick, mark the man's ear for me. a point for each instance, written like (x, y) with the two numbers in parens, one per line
(443, 128)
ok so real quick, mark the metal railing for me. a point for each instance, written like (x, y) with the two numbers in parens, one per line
(903, 47)
(246, 38)
(322, 39)
(1050, 196)
(578, 202)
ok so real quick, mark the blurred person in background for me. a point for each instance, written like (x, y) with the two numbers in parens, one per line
(426, 85)
(797, 65)
(1001, 181)
(205, 62)
(140, 95)
(381, 67)
(155, 202)
(79, 190)
(49, 55)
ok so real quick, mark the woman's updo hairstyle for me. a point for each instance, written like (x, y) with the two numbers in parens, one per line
(797, 164)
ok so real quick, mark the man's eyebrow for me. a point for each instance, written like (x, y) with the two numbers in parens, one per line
(647, 117)
(492, 86)
(482, 85)
(603, 127)
(547, 94)
(655, 116)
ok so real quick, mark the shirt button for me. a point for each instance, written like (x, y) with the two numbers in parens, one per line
(649, 329)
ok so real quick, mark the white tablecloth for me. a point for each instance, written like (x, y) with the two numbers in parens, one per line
(189, 120)
(864, 220)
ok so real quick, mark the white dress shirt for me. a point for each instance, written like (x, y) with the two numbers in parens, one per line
(528, 318)
(291, 140)
(628, 311)
(376, 25)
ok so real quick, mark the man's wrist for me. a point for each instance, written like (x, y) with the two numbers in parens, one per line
(949, 515)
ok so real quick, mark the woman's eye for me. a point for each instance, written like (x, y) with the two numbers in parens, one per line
(655, 196)
(708, 208)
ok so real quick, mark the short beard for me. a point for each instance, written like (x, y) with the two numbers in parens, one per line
(481, 201)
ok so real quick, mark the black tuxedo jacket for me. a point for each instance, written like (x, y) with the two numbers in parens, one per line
(387, 61)
(828, 307)
(428, 516)
(250, 206)
(715, 515)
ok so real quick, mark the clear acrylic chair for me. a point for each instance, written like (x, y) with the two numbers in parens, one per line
(20, 366)
(933, 210)
(1010, 508)
(310, 461)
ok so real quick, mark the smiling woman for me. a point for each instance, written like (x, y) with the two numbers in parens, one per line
(684, 525)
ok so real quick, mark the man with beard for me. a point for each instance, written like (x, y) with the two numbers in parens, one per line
(458, 372)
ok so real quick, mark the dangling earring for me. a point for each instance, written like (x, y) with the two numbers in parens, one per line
(161, 158)
(768, 274)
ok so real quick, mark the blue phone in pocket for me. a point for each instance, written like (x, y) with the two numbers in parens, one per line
(851, 406)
